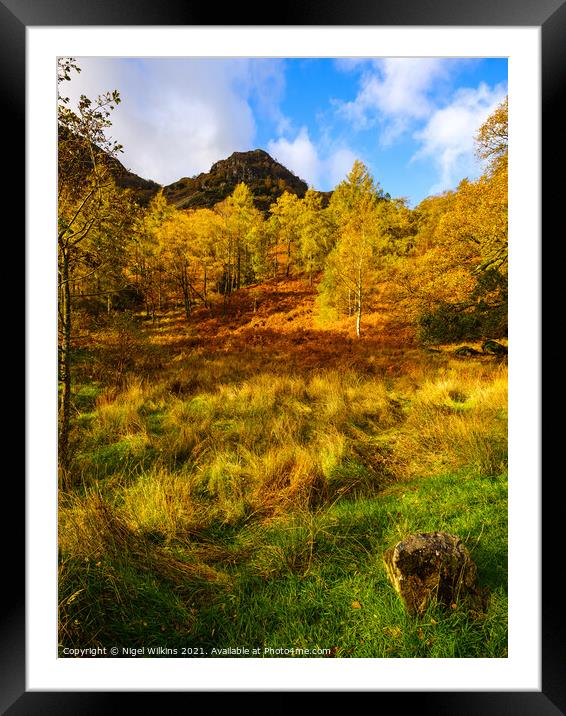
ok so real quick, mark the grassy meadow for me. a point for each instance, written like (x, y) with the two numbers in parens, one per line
(236, 479)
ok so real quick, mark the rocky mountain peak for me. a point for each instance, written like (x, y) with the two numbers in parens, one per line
(266, 178)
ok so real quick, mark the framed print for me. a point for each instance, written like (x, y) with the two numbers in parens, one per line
(194, 475)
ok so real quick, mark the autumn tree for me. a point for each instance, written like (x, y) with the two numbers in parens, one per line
(492, 137)
(479, 220)
(316, 233)
(241, 222)
(350, 267)
(187, 253)
(454, 284)
(88, 219)
(398, 226)
(286, 215)
(437, 273)
(206, 228)
(146, 263)
(176, 254)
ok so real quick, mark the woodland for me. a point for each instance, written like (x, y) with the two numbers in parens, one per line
(261, 388)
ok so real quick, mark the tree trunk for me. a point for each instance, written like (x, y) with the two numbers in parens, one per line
(275, 258)
(204, 288)
(65, 405)
(186, 288)
(359, 297)
(239, 268)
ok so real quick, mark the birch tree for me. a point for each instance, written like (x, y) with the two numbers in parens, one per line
(86, 211)
(350, 268)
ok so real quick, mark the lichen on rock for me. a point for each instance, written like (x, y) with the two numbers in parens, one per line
(434, 566)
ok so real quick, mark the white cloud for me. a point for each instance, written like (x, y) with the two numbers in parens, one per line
(302, 157)
(179, 116)
(267, 82)
(395, 92)
(298, 155)
(448, 136)
(338, 166)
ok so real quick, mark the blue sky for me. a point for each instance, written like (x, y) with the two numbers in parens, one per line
(410, 120)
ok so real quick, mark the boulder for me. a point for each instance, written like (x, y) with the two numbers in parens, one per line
(491, 346)
(434, 566)
(466, 351)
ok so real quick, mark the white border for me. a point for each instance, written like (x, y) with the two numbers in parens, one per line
(522, 670)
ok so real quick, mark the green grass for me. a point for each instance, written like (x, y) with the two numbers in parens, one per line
(296, 581)
(299, 588)
(222, 500)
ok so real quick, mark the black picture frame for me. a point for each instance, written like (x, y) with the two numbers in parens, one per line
(550, 16)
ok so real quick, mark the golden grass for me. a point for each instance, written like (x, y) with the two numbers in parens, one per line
(247, 418)
(93, 529)
(458, 419)
(229, 428)
(272, 441)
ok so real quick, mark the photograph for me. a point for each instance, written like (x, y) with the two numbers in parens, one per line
(282, 357)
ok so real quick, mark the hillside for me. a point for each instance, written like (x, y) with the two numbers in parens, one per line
(266, 178)
(143, 189)
(250, 462)
(70, 145)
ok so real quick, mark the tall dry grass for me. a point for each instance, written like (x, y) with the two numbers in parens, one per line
(181, 455)
(227, 448)
(459, 419)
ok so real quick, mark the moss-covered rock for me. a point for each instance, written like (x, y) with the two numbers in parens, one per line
(491, 346)
(466, 351)
(434, 566)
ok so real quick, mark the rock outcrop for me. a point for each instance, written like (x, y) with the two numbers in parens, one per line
(493, 347)
(266, 178)
(466, 351)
